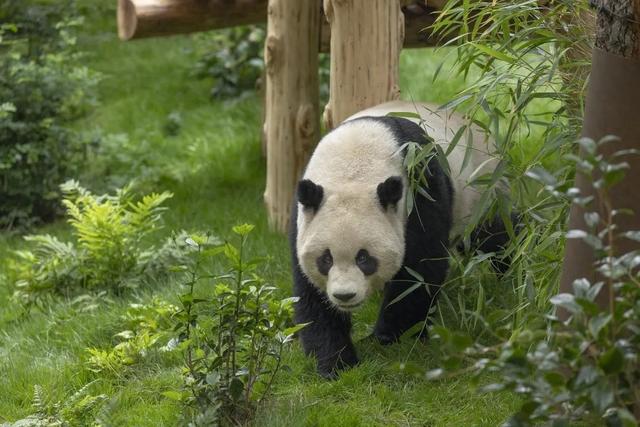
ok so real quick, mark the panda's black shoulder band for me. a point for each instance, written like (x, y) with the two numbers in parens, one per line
(390, 191)
(310, 194)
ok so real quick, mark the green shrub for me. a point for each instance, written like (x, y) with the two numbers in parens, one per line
(42, 90)
(108, 251)
(584, 370)
(233, 58)
(231, 336)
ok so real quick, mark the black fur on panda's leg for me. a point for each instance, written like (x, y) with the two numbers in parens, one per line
(328, 334)
(492, 236)
(395, 319)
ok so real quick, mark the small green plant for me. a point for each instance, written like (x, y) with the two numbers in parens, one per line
(79, 409)
(232, 336)
(149, 329)
(584, 369)
(108, 251)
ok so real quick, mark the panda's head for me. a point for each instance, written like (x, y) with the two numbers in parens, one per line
(350, 238)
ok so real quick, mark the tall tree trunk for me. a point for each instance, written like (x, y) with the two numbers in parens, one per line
(611, 109)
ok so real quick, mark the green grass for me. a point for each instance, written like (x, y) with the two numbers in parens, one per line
(215, 168)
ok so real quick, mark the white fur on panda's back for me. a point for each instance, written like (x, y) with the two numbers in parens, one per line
(442, 127)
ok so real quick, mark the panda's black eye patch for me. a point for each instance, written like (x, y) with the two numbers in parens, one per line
(366, 263)
(324, 262)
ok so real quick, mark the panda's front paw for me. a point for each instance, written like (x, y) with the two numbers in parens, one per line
(329, 368)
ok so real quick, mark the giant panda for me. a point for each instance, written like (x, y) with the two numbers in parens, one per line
(351, 233)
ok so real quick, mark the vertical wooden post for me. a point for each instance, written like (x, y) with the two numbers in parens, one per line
(366, 39)
(292, 100)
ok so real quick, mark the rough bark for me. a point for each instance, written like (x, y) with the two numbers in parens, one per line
(611, 109)
(292, 125)
(366, 39)
(417, 20)
(618, 27)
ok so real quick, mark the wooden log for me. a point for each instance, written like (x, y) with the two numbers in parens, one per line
(416, 33)
(151, 18)
(366, 39)
(292, 125)
(154, 18)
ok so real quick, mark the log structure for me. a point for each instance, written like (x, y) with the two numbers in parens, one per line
(139, 19)
(366, 39)
(292, 126)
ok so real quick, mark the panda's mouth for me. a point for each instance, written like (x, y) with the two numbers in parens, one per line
(350, 307)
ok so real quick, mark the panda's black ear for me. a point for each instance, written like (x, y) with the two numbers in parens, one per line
(310, 194)
(390, 192)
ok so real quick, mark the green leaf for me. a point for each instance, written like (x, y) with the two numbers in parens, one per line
(566, 301)
(626, 417)
(587, 375)
(615, 173)
(243, 229)
(601, 396)
(597, 323)
(405, 114)
(612, 361)
(213, 378)
(236, 388)
(173, 395)
(461, 342)
(406, 292)
(441, 332)
(292, 330)
(555, 379)
(494, 53)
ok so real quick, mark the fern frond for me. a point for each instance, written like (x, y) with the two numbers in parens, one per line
(39, 402)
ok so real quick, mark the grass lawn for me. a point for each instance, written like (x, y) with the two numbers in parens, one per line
(215, 168)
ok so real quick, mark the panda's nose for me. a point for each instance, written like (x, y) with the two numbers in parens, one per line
(344, 296)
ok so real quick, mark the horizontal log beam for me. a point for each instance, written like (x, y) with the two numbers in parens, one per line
(152, 18)
(155, 18)
(416, 19)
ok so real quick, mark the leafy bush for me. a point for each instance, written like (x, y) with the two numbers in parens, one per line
(585, 369)
(232, 338)
(108, 251)
(233, 58)
(42, 90)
